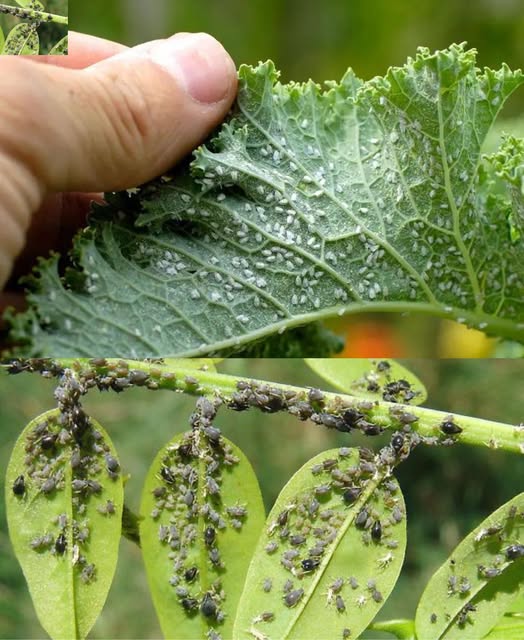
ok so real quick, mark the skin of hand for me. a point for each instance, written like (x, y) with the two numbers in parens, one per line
(104, 118)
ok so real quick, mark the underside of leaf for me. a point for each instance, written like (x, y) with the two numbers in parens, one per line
(308, 203)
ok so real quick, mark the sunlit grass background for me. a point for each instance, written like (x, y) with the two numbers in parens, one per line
(448, 491)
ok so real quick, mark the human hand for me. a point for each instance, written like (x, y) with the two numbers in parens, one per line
(104, 118)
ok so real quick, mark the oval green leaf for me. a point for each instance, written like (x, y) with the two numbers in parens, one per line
(22, 40)
(64, 520)
(479, 582)
(60, 48)
(372, 379)
(323, 564)
(202, 513)
(32, 4)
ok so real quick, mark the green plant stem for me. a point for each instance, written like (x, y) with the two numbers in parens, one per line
(175, 377)
(33, 14)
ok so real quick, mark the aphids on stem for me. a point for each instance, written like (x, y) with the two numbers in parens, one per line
(449, 428)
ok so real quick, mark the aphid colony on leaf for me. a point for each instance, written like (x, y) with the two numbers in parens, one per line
(189, 508)
(62, 439)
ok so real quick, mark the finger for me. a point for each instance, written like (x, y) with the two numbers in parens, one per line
(84, 50)
(121, 121)
(52, 228)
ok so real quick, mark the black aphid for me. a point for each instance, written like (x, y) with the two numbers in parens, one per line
(167, 475)
(48, 441)
(209, 536)
(433, 618)
(361, 519)
(61, 544)
(376, 531)
(450, 428)
(189, 604)
(383, 365)
(19, 486)
(208, 607)
(282, 517)
(515, 551)
(291, 598)
(397, 442)
(369, 428)
(351, 417)
(350, 495)
(190, 574)
(309, 564)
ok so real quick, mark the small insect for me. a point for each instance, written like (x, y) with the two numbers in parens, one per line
(351, 495)
(463, 615)
(61, 544)
(353, 582)
(190, 574)
(237, 511)
(397, 442)
(433, 618)
(297, 540)
(208, 606)
(112, 463)
(361, 519)
(267, 585)
(340, 604)
(265, 616)
(167, 475)
(48, 441)
(189, 604)
(449, 427)
(49, 485)
(488, 572)
(293, 597)
(386, 560)
(376, 531)
(346, 633)
(288, 586)
(271, 547)
(515, 551)
(309, 564)
(19, 486)
(322, 489)
(377, 596)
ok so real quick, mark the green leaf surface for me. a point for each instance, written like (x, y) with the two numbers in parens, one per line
(22, 40)
(32, 4)
(461, 600)
(2, 40)
(402, 629)
(68, 586)
(369, 378)
(170, 529)
(308, 203)
(507, 630)
(352, 572)
(60, 48)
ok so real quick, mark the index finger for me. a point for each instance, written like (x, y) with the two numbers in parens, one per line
(84, 50)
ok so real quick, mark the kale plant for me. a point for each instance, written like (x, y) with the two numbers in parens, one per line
(320, 565)
(23, 38)
(306, 204)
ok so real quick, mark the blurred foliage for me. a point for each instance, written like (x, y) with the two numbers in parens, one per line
(49, 34)
(448, 491)
(306, 38)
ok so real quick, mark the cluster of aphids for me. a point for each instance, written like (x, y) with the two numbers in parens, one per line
(20, 12)
(189, 505)
(307, 529)
(68, 437)
(499, 540)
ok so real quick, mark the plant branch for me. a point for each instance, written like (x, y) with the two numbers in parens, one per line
(33, 14)
(175, 377)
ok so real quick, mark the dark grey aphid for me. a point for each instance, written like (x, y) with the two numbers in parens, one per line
(213, 433)
(190, 574)
(353, 582)
(293, 597)
(377, 596)
(237, 511)
(351, 495)
(322, 489)
(19, 486)
(288, 586)
(271, 547)
(290, 554)
(88, 573)
(340, 604)
(297, 540)
(112, 463)
(189, 604)
(267, 585)
(488, 572)
(361, 519)
(208, 606)
(61, 544)
(49, 485)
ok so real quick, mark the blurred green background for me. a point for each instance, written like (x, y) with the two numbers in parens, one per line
(319, 40)
(49, 34)
(448, 491)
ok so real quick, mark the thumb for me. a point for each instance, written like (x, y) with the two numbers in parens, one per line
(122, 121)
